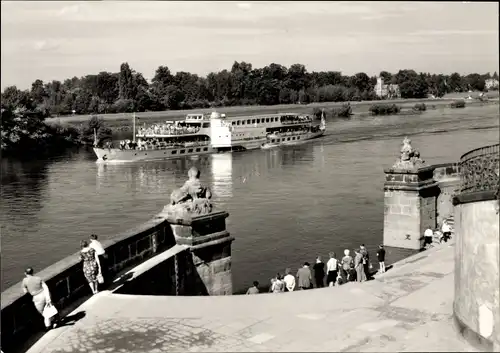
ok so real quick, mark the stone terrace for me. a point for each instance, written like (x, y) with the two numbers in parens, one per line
(409, 308)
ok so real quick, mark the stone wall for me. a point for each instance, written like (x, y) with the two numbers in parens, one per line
(210, 251)
(204, 268)
(476, 304)
(67, 282)
(477, 282)
(448, 177)
(416, 199)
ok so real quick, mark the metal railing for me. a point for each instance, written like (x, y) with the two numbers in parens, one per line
(479, 169)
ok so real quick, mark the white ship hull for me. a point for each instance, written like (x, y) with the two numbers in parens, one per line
(116, 155)
(277, 141)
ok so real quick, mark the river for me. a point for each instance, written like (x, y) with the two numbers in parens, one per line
(286, 205)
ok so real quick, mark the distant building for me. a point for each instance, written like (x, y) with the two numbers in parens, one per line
(386, 91)
(491, 83)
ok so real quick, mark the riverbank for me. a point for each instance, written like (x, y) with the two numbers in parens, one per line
(408, 308)
(358, 107)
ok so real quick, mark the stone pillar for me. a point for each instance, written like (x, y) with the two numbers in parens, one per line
(207, 270)
(409, 207)
(409, 200)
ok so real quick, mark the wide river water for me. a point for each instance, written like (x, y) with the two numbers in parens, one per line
(286, 205)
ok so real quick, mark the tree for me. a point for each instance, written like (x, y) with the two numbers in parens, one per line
(362, 82)
(296, 78)
(126, 84)
(455, 83)
(386, 76)
(495, 76)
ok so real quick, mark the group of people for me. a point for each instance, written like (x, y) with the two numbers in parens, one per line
(335, 272)
(438, 236)
(154, 143)
(294, 119)
(93, 257)
(168, 129)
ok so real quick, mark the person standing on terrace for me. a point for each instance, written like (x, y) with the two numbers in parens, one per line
(91, 265)
(289, 280)
(254, 289)
(304, 276)
(331, 270)
(346, 266)
(319, 272)
(101, 254)
(37, 288)
(381, 258)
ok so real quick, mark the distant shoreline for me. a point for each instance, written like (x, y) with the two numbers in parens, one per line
(121, 119)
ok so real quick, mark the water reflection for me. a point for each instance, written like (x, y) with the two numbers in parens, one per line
(222, 175)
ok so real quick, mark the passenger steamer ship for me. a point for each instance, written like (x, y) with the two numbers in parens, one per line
(200, 134)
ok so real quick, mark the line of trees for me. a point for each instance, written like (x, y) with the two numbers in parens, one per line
(128, 90)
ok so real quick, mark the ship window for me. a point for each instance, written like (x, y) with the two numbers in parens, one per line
(238, 122)
(248, 121)
(272, 141)
(205, 148)
(258, 121)
(243, 122)
(198, 149)
(206, 124)
(288, 139)
(174, 152)
(182, 151)
(267, 120)
(298, 137)
(190, 150)
(253, 121)
(233, 122)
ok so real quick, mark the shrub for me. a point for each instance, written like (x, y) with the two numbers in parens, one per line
(458, 104)
(384, 109)
(345, 111)
(420, 107)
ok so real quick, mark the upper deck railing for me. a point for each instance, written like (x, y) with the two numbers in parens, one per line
(479, 169)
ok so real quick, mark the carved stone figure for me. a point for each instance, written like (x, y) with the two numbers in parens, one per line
(190, 199)
(410, 157)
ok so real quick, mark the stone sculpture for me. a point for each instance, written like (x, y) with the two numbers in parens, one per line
(192, 198)
(410, 157)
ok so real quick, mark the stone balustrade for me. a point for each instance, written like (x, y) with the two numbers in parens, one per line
(476, 301)
(204, 268)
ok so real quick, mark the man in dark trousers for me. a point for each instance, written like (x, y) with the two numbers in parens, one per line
(366, 260)
(97, 246)
(381, 258)
(319, 272)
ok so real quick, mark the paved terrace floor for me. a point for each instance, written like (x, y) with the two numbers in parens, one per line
(409, 308)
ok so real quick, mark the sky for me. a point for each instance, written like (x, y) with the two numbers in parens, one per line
(61, 39)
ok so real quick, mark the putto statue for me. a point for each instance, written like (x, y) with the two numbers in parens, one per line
(191, 199)
(410, 157)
